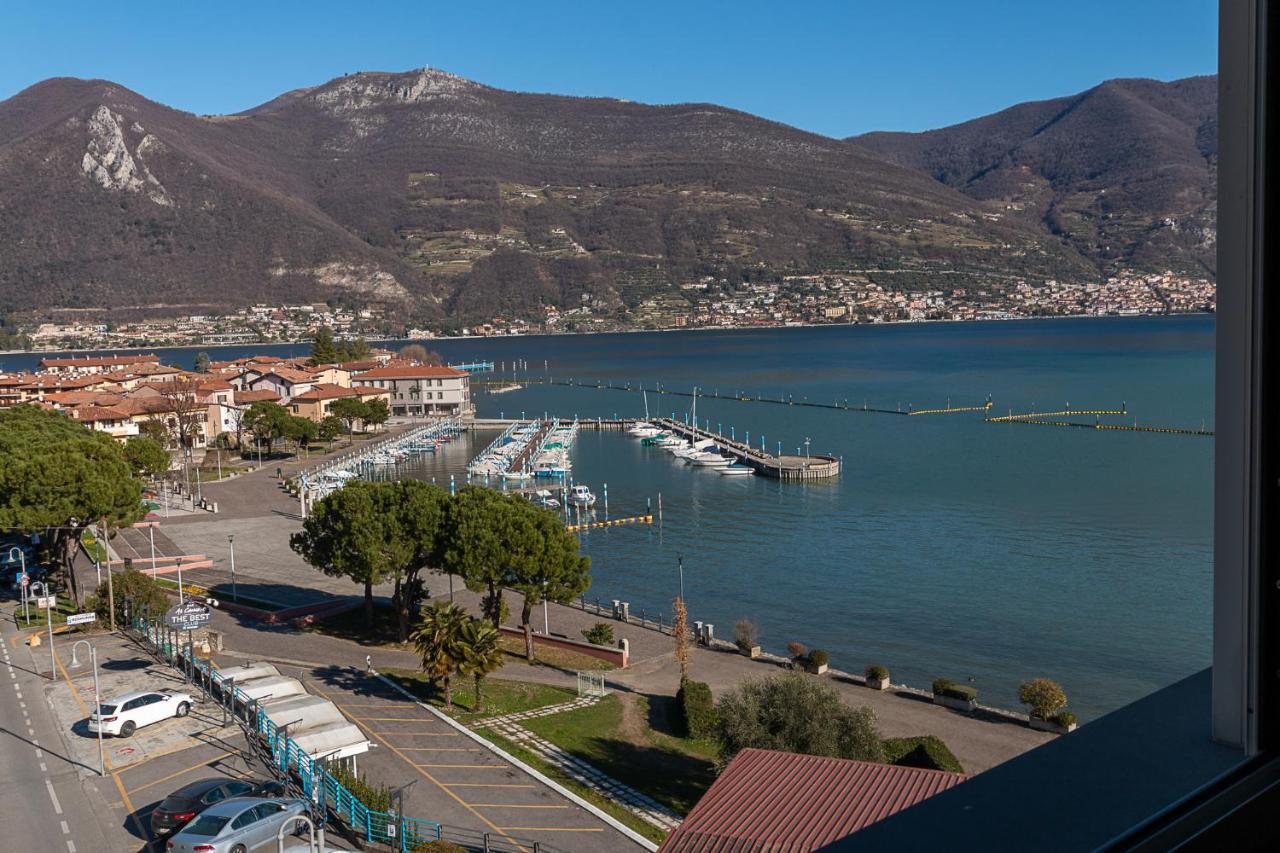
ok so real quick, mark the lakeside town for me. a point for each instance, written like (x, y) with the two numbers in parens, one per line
(705, 303)
(207, 522)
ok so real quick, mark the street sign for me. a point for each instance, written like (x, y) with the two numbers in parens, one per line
(188, 616)
(44, 602)
(81, 618)
(21, 578)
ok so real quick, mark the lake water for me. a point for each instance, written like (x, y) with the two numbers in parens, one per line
(948, 547)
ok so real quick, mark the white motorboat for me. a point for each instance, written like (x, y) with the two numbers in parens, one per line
(517, 475)
(581, 496)
(543, 497)
(736, 471)
(710, 460)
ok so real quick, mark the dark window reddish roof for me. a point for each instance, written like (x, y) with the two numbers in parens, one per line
(788, 803)
(418, 371)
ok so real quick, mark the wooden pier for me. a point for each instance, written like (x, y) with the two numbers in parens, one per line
(785, 467)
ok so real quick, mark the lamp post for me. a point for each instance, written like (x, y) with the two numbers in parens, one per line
(180, 580)
(231, 542)
(97, 707)
(151, 532)
(22, 559)
(44, 593)
(546, 624)
(680, 566)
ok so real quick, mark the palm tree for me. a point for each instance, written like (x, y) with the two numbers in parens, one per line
(481, 654)
(437, 640)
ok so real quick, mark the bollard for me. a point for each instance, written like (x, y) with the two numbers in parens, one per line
(626, 611)
(617, 609)
(709, 634)
(697, 631)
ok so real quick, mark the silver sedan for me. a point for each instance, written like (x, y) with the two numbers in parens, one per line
(238, 825)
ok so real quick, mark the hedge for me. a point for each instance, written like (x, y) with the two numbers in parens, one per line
(926, 751)
(818, 657)
(877, 672)
(697, 710)
(947, 687)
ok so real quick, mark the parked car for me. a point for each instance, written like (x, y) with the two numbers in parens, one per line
(177, 809)
(122, 716)
(238, 825)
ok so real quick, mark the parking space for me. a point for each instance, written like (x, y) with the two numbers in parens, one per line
(143, 769)
(453, 779)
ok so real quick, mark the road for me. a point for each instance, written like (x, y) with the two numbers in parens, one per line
(43, 805)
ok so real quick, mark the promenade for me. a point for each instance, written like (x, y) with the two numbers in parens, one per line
(262, 516)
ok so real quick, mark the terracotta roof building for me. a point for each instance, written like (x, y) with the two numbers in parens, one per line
(421, 390)
(787, 803)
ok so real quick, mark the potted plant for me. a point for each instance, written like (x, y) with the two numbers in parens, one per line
(1047, 700)
(746, 637)
(877, 677)
(816, 661)
(799, 654)
(960, 697)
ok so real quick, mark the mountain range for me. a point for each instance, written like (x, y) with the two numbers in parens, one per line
(451, 200)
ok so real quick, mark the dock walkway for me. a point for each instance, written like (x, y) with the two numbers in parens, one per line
(784, 467)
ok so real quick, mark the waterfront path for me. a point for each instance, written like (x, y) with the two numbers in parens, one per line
(262, 516)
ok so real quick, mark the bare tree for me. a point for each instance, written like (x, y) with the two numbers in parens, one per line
(680, 635)
(186, 413)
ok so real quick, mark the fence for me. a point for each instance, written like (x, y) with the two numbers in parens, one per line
(286, 757)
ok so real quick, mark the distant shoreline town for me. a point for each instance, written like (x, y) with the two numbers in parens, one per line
(798, 301)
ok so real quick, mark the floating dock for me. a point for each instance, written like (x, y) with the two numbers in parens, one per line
(784, 467)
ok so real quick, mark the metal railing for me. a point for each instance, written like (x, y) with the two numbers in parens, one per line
(286, 757)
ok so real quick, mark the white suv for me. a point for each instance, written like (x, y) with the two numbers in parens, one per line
(123, 715)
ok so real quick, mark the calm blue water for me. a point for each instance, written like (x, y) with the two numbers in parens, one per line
(948, 547)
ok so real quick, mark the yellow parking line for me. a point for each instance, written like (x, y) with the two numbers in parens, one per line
(175, 773)
(391, 719)
(178, 747)
(442, 749)
(487, 785)
(128, 804)
(416, 734)
(513, 806)
(445, 788)
(553, 828)
(468, 766)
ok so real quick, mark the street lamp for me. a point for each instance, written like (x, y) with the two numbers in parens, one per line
(97, 707)
(546, 625)
(231, 542)
(22, 559)
(680, 565)
(44, 593)
(180, 580)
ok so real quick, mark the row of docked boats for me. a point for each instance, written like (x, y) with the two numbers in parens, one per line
(700, 453)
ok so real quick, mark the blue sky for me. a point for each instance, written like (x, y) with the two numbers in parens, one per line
(837, 68)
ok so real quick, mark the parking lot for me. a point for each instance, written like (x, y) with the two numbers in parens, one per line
(451, 778)
(141, 770)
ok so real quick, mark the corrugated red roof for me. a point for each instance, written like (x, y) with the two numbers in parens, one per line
(788, 803)
(98, 361)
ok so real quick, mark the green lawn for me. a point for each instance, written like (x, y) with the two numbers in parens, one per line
(93, 547)
(38, 618)
(500, 696)
(540, 764)
(618, 736)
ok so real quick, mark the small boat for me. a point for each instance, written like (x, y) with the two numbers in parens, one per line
(517, 475)
(581, 496)
(736, 471)
(710, 460)
(543, 497)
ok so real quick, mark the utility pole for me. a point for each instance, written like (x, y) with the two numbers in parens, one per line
(231, 541)
(111, 592)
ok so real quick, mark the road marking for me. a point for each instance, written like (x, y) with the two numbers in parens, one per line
(391, 719)
(513, 806)
(71, 846)
(43, 767)
(442, 749)
(553, 828)
(128, 804)
(66, 830)
(487, 785)
(468, 766)
(57, 806)
(416, 734)
(176, 773)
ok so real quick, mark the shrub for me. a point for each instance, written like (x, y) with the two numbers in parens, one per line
(745, 634)
(798, 651)
(795, 713)
(818, 657)
(440, 846)
(600, 633)
(947, 687)
(697, 709)
(376, 797)
(926, 751)
(877, 672)
(1066, 719)
(148, 597)
(1045, 697)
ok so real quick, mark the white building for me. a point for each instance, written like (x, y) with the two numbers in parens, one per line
(421, 389)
